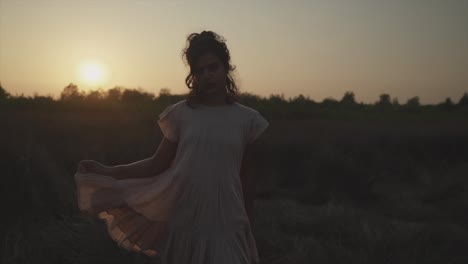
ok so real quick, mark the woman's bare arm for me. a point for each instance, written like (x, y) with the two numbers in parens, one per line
(151, 166)
(248, 182)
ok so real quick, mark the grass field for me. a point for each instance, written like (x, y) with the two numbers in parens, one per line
(328, 190)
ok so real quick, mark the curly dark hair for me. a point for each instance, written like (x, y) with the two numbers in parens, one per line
(197, 45)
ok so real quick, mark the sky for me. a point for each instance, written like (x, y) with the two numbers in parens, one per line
(320, 49)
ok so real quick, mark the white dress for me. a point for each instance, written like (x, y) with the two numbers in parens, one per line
(192, 213)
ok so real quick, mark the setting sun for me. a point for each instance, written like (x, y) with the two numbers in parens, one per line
(92, 73)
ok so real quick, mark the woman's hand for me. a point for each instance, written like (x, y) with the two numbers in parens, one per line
(91, 166)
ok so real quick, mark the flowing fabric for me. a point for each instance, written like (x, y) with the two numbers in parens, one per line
(192, 213)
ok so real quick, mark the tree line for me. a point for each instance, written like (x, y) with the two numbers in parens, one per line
(274, 105)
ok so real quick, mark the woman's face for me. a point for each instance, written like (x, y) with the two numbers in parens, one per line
(210, 75)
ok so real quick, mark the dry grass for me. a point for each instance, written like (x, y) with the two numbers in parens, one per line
(328, 191)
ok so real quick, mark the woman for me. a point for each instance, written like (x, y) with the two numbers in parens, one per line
(192, 201)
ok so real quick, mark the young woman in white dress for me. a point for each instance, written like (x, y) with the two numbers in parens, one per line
(192, 202)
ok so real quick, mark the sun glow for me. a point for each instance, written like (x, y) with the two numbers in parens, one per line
(92, 73)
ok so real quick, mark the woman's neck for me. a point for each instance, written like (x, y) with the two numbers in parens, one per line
(213, 100)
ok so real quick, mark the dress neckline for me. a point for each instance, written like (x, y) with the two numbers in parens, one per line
(216, 106)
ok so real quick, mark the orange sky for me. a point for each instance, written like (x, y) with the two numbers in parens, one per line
(315, 48)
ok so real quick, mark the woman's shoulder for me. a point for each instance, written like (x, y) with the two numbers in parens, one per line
(180, 103)
(173, 109)
(177, 106)
(246, 109)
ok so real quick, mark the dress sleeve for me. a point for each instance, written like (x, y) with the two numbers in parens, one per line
(258, 124)
(169, 123)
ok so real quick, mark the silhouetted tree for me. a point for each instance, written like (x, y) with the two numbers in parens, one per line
(136, 96)
(95, 95)
(463, 101)
(164, 92)
(71, 92)
(4, 95)
(348, 99)
(249, 99)
(301, 106)
(43, 100)
(447, 104)
(384, 101)
(114, 94)
(413, 104)
(277, 99)
(275, 105)
(164, 96)
(329, 102)
(300, 99)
